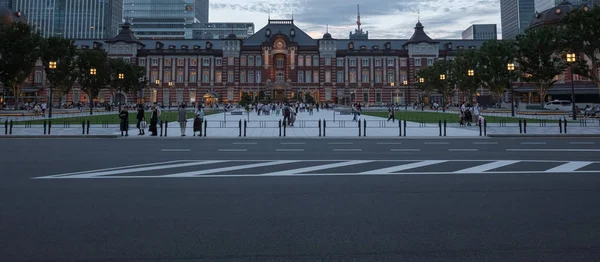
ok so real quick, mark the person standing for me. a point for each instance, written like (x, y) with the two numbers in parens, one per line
(182, 119)
(198, 121)
(141, 120)
(154, 121)
(124, 116)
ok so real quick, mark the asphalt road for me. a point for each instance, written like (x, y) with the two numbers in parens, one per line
(524, 212)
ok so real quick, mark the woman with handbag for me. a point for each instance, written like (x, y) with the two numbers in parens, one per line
(141, 120)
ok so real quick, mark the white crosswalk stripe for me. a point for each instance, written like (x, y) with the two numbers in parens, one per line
(270, 168)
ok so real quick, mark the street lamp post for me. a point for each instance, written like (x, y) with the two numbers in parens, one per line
(471, 73)
(51, 65)
(511, 68)
(92, 73)
(405, 82)
(422, 80)
(442, 78)
(571, 59)
(121, 76)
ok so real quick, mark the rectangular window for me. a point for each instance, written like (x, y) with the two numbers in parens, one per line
(258, 79)
(230, 76)
(180, 76)
(166, 96)
(75, 95)
(279, 62)
(205, 78)
(279, 77)
(402, 61)
(193, 77)
(327, 61)
(327, 76)
(378, 96)
(429, 61)
(378, 77)
(180, 62)
(155, 61)
(38, 77)
(194, 62)
(243, 76)
(390, 77)
(251, 61)
(300, 76)
(250, 77)
(365, 62)
(192, 95)
(340, 77)
(378, 62)
(365, 76)
(218, 76)
(258, 60)
(307, 60)
(315, 60)
(340, 62)
(308, 76)
(352, 76)
(390, 62)
(417, 61)
(179, 96)
(352, 62)
(301, 60)
(243, 61)
(168, 62)
(316, 77)
(154, 76)
(142, 61)
(366, 96)
(403, 76)
(205, 61)
(230, 61)
(167, 77)
(218, 62)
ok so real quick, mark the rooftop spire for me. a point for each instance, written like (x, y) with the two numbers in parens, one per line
(327, 28)
(358, 16)
(419, 16)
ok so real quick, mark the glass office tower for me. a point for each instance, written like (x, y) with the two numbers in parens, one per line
(163, 19)
(516, 16)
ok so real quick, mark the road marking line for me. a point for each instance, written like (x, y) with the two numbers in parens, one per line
(485, 143)
(319, 167)
(533, 143)
(225, 169)
(463, 149)
(340, 143)
(175, 150)
(115, 168)
(389, 143)
(581, 143)
(290, 150)
(485, 167)
(139, 169)
(292, 143)
(552, 150)
(347, 150)
(393, 169)
(437, 143)
(405, 149)
(568, 167)
(245, 143)
(233, 150)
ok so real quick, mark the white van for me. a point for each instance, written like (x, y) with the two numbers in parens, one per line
(559, 105)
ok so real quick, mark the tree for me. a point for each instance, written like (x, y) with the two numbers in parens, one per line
(246, 100)
(439, 77)
(94, 73)
(19, 51)
(540, 57)
(126, 77)
(494, 57)
(427, 74)
(583, 29)
(466, 72)
(309, 99)
(59, 57)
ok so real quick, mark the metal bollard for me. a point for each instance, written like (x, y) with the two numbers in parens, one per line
(319, 127)
(560, 125)
(324, 126)
(205, 126)
(45, 126)
(404, 127)
(240, 128)
(83, 127)
(88, 127)
(565, 121)
(445, 125)
(49, 126)
(127, 128)
(11, 126)
(485, 127)
(399, 127)
(359, 129)
(525, 126)
(245, 126)
(279, 127)
(364, 127)
(440, 123)
(284, 127)
(161, 127)
(166, 127)
(480, 130)
(6, 127)
(201, 124)
(520, 126)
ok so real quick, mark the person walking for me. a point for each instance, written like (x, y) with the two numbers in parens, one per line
(391, 114)
(198, 121)
(182, 118)
(141, 120)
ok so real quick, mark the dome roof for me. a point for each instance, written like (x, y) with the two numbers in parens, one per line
(327, 36)
(8, 16)
(232, 36)
(555, 15)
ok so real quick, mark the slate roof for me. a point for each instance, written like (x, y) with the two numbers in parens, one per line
(280, 27)
(125, 35)
(419, 36)
(555, 14)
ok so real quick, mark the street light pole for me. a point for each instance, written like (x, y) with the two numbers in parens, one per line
(511, 67)
(442, 78)
(572, 59)
(93, 73)
(51, 65)
(422, 80)
(405, 82)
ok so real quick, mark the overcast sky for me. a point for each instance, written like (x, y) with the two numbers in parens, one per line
(382, 18)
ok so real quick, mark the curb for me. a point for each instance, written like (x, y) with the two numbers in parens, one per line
(57, 136)
(305, 138)
(544, 135)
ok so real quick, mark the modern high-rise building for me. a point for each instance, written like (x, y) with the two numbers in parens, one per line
(222, 30)
(164, 19)
(480, 32)
(73, 19)
(7, 3)
(516, 16)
